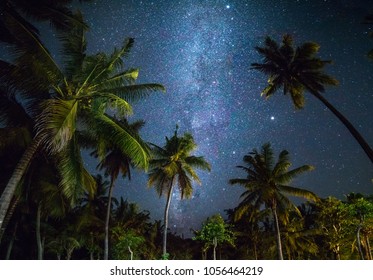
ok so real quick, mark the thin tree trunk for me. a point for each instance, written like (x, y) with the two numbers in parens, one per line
(369, 252)
(11, 242)
(8, 216)
(367, 149)
(255, 252)
(129, 249)
(215, 242)
(19, 171)
(359, 241)
(107, 220)
(38, 233)
(9, 249)
(278, 235)
(166, 210)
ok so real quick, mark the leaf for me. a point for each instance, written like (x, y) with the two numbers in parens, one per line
(124, 140)
(57, 123)
(74, 177)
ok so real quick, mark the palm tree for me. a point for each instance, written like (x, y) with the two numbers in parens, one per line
(64, 100)
(91, 217)
(267, 183)
(115, 162)
(299, 70)
(173, 164)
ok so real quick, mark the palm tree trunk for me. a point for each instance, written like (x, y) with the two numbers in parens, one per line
(278, 239)
(19, 171)
(10, 245)
(38, 233)
(107, 220)
(8, 216)
(166, 210)
(359, 241)
(215, 242)
(367, 149)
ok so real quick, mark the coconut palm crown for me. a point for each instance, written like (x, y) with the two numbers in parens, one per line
(297, 70)
(267, 183)
(173, 165)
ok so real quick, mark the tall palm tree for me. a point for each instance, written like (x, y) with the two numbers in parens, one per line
(297, 70)
(65, 99)
(115, 162)
(267, 184)
(173, 165)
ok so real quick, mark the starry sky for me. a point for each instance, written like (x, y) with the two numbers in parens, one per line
(201, 51)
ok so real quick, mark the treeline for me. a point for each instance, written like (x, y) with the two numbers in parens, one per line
(329, 229)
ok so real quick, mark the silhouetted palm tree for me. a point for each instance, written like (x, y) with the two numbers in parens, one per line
(267, 184)
(173, 165)
(297, 70)
(115, 162)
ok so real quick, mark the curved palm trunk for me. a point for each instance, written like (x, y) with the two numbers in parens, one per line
(107, 220)
(367, 149)
(166, 210)
(16, 177)
(8, 216)
(278, 235)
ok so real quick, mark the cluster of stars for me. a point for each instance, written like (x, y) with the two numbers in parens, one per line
(202, 52)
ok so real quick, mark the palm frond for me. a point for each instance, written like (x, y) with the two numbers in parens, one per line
(302, 193)
(28, 43)
(287, 177)
(74, 177)
(185, 184)
(133, 93)
(126, 77)
(130, 145)
(238, 181)
(56, 13)
(122, 107)
(114, 61)
(283, 163)
(57, 123)
(198, 162)
(73, 49)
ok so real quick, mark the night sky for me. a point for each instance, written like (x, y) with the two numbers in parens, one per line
(201, 52)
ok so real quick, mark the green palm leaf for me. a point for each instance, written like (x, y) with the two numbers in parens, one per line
(129, 144)
(74, 177)
(57, 123)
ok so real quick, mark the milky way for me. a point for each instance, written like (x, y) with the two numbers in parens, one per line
(202, 51)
